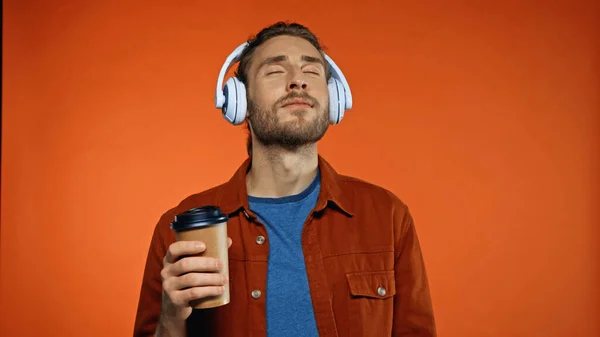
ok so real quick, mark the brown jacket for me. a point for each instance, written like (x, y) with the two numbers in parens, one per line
(363, 261)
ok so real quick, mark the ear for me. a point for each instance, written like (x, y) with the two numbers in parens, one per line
(249, 107)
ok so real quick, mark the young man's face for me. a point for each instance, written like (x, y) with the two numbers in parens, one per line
(288, 101)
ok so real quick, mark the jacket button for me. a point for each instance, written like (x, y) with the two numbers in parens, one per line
(381, 291)
(260, 239)
(256, 294)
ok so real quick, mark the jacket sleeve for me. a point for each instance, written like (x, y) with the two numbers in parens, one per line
(413, 311)
(149, 303)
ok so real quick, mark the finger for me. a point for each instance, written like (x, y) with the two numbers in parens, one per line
(183, 297)
(198, 280)
(195, 264)
(181, 248)
(229, 242)
(189, 280)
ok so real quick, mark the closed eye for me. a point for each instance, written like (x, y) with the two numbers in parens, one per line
(274, 72)
(312, 69)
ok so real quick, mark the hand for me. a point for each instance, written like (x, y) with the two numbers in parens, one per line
(186, 277)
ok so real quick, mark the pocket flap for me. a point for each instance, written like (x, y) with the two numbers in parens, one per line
(375, 284)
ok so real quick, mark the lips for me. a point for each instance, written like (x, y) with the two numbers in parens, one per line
(297, 101)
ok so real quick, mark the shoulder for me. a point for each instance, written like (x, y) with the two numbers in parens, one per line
(360, 189)
(211, 196)
(376, 205)
(366, 198)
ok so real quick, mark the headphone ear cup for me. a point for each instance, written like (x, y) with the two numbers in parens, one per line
(234, 109)
(337, 101)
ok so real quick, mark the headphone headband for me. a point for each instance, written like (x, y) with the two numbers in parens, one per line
(233, 57)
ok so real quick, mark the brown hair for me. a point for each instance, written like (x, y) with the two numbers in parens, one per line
(277, 29)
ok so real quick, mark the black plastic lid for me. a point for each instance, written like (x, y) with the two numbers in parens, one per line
(198, 217)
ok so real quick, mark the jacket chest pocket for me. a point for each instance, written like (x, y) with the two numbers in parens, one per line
(371, 303)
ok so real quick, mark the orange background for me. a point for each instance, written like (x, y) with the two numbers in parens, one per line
(483, 118)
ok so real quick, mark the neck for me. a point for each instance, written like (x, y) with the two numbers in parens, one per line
(277, 172)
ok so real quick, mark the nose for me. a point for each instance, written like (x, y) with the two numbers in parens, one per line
(297, 83)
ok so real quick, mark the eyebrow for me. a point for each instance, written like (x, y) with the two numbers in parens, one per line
(281, 58)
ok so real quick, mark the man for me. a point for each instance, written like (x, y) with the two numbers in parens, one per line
(312, 252)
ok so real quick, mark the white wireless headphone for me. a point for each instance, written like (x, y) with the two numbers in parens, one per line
(232, 98)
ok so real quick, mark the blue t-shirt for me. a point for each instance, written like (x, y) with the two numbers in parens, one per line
(288, 301)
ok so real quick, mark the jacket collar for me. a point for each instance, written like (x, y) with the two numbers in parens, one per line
(331, 194)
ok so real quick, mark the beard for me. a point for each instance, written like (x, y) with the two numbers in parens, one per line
(292, 135)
